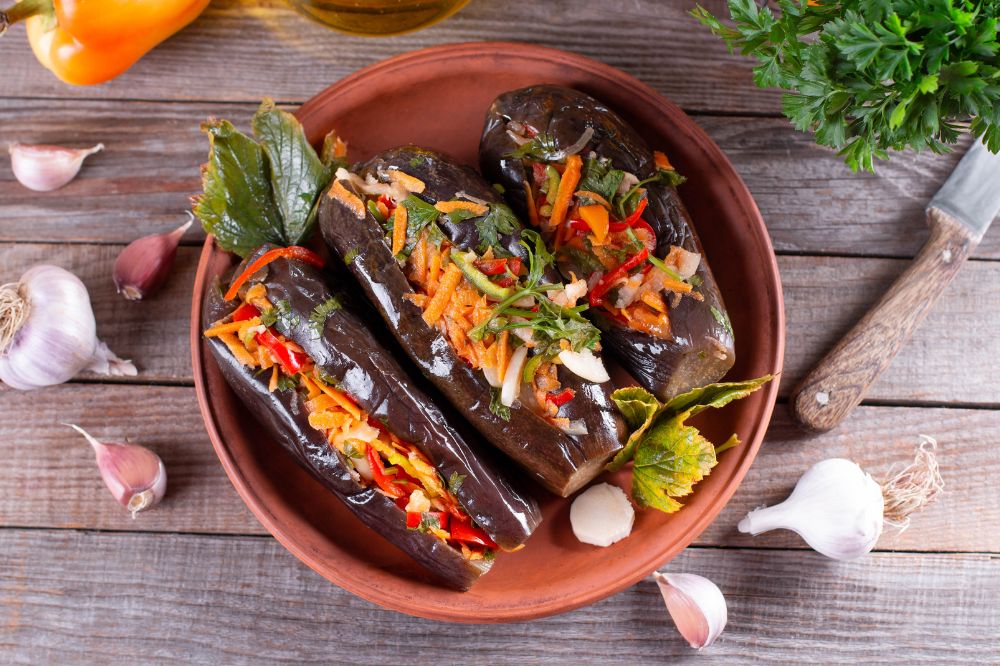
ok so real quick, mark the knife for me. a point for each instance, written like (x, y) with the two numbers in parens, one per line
(958, 216)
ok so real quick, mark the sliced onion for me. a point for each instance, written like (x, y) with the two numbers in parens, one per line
(628, 182)
(517, 138)
(492, 376)
(523, 332)
(577, 146)
(629, 291)
(363, 467)
(359, 431)
(461, 194)
(576, 427)
(687, 263)
(512, 376)
(585, 365)
(525, 302)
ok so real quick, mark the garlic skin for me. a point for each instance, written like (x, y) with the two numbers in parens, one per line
(836, 507)
(143, 266)
(47, 331)
(696, 606)
(135, 475)
(45, 168)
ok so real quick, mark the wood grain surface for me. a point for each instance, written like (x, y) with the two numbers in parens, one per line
(99, 597)
(197, 580)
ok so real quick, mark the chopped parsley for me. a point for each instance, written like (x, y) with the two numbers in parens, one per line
(723, 319)
(417, 161)
(500, 220)
(455, 482)
(600, 178)
(286, 383)
(540, 148)
(498, 408)
(319, 315)
(351, 255)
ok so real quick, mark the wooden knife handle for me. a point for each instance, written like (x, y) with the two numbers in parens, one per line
(838, 383)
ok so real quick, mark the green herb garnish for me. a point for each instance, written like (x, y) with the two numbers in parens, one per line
(668, 456)
(498, 408)
(455, 482)
(600, 178)
(498, 221)
(867, 77)
(319, 315)
(541, 147)
(723, 319)
(351, 255)
(263, 189)
(286, 383)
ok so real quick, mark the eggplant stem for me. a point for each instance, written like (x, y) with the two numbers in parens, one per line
(14, 311)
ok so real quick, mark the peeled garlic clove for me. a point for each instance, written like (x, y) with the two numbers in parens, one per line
(135, 475)
(143, 266)
(45, 168)
(836, 507)
(696, 606)
(601, 515)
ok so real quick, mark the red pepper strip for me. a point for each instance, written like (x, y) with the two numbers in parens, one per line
(491, 266)
(560, 398)
(604, 284)
(401, 502)
(293, 252)
(245, 311)
(515, 265)
(580, 225)
(506, 281)
(291, 362)
(637, 213)
(413, 518)
(465, 532)
(394, 490)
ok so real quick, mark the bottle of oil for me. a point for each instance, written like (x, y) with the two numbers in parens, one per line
(377, 17)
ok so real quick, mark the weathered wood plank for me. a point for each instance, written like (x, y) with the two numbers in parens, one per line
(40, 454)
(152, 332)
(242, 50)
(141, 183)
(96, 598)
(49, 478)
(949, 360)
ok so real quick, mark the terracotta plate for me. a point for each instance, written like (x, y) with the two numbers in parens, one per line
(437, 98)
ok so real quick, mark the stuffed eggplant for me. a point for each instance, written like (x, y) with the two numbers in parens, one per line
(475, 301)
(607, 207)
(339, 403)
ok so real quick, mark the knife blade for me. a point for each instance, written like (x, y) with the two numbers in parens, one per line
(958, 216)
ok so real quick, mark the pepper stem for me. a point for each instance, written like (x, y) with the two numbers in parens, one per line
(23, 10)
(14, 310)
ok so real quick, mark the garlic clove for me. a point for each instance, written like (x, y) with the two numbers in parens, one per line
(143, 266)
(601, 515)
(835, 507)
(45, 168)
(135, 475)
(696, 606)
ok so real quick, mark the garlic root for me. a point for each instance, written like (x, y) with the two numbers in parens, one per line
(914, 487)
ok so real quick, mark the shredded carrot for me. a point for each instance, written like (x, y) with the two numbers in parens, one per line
(410, 183)
(529, 200)
(342, 400)
(503, 354)
(418, 260)
(646, 320)
(661, 161)
(238, 350)
(567, 185)
(676, 285)
(420, 300)
(489, 356)
(655, 301)
(348, 198)
(273, 384)
(471, 206)
(434, 269)
(328, 419)
(449, 282)
(593, 196)
(220, 329)
(264, 358)
(398, 230)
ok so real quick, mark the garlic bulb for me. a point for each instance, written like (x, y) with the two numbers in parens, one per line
(836, 507)
(46, 168)
(840, 510)
(143, 266)
(696, 606)
(135, 475)
(47, 331)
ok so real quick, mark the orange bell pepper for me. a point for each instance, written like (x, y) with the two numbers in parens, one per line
(84, 42)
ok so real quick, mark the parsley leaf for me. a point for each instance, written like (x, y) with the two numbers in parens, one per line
(319, 315)
(500, 220)
(599, 177)
(455, 482)
(541, 148)
(498, 408)
(668, 455)
(286, 383)
(869, 77)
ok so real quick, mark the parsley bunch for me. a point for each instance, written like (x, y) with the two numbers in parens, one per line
(869, 76)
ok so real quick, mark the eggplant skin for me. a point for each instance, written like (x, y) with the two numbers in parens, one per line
(560, 462)
(366, 371)
(702, 349)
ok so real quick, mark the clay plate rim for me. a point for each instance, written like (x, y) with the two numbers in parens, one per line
(654, 558)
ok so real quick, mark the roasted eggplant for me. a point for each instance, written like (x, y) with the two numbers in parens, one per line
(310, 371)
(474, 300)
(607, 206)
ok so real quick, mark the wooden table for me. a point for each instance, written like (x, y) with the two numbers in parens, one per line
(198, 579)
